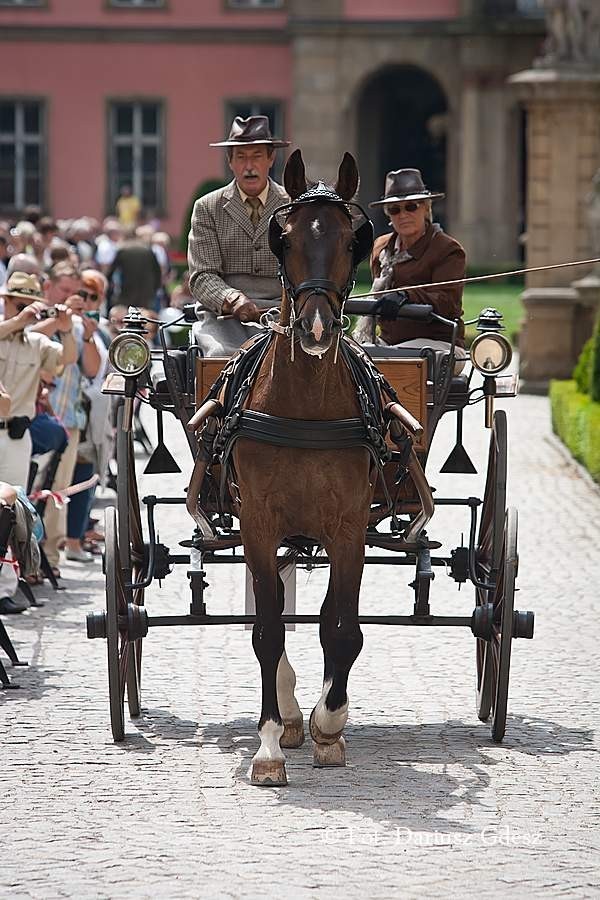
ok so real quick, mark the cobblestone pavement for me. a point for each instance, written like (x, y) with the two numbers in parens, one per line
(427, 806)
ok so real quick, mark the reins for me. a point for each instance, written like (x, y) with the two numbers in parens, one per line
(412, 287)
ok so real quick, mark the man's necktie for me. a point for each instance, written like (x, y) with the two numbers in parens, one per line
(254, 205)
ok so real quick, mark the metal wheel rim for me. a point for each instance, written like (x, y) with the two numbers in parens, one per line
(489, 550)
(501, 643)
(134, 680)
(132, 549)
(484, 679)
(115, 604)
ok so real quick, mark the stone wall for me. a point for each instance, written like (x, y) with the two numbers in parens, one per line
(333, 61)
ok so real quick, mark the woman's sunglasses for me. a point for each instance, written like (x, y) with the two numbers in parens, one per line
(85, 295)
(411, 206)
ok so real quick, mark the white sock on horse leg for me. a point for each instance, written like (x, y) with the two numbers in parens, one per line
(269, 748)
(329, 722)
(286, 682)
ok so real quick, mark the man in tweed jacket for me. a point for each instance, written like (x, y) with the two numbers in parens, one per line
(232, 271)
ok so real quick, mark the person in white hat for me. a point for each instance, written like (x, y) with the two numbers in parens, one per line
(23, 355)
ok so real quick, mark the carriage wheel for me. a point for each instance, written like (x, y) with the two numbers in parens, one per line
(116, 637)
(496, 655)
(500, 646)
(131, 550)
(489, 548)
(497, 651)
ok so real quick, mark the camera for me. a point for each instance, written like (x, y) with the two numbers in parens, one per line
(50, 313)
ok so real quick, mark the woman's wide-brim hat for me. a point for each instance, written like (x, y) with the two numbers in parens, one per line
(253, 130)
(405, 184)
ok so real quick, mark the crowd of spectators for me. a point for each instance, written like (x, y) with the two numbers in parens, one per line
(65, 287)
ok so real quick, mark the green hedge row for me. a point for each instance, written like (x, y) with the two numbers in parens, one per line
(576, 420)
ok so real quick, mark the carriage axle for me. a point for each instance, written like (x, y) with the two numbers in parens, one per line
(137, 622)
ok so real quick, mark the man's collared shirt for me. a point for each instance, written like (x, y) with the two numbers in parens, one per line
(262, 197)
(22, 356)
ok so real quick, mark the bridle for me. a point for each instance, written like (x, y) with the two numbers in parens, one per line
(362, 243)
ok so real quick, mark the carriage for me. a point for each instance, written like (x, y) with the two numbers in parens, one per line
(418, 387)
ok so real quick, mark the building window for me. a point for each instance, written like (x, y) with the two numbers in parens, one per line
(137, 152)
(526, 8)
(21, 153)
(273, 109)
(137, 4)
(255, 4)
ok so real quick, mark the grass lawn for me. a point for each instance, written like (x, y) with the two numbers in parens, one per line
(501, 295)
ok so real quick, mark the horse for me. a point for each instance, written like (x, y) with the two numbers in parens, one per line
(323, 495)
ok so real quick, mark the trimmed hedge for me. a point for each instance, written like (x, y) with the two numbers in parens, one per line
(595, 364)
(576, 420)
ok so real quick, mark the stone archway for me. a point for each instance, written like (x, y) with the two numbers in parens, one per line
(401, 117)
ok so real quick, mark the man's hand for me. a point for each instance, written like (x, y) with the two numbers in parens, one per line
(63, 319)
(30, 314)
(90, 326)
(389, 306)
(242, 309)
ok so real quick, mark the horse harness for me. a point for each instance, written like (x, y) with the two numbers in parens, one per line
(232, 389)
(234, 384)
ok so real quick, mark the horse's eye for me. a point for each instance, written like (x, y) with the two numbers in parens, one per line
(351, 247)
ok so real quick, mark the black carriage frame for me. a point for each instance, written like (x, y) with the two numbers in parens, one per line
(489, 561)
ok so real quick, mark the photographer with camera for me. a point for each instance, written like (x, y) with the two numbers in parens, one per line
(23, 355)
(64, 286)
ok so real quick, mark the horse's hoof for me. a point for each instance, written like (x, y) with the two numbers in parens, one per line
(318, 736)
(329, 754)
(293, 734)
(268, 773)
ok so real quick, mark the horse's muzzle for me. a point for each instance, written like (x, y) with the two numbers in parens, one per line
(315, 333)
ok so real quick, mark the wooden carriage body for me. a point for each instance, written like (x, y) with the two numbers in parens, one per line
(408, 377)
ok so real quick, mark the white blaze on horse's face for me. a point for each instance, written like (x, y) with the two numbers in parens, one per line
(316, 336)
(318, 328)
(316, 228)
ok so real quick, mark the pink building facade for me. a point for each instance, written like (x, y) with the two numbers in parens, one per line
(97, 93)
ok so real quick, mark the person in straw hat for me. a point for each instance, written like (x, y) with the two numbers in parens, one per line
(416, 251)
(23, 355)
(232, 271)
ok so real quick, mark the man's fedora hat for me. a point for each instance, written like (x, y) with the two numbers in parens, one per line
(405, 184)
(22, 285)
(253, 130)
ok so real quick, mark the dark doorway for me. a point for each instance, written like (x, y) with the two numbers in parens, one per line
(401, 121)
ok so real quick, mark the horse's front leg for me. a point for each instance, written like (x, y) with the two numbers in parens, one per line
(342, 640)
(268, 764)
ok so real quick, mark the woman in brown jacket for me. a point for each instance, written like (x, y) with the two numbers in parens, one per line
(417, 251)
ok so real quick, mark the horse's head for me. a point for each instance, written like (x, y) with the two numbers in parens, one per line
(319, 250)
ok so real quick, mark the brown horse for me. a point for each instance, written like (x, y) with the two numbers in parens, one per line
(323, 495)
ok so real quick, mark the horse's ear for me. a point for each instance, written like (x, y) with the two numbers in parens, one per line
(294, 175)
(347, 180)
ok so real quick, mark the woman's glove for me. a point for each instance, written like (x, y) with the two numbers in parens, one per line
(390, 305)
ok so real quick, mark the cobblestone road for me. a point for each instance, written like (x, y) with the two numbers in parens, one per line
(428, 805)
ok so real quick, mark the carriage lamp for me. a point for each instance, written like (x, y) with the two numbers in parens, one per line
(490, 352)
(129, 354)
(490, 319)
